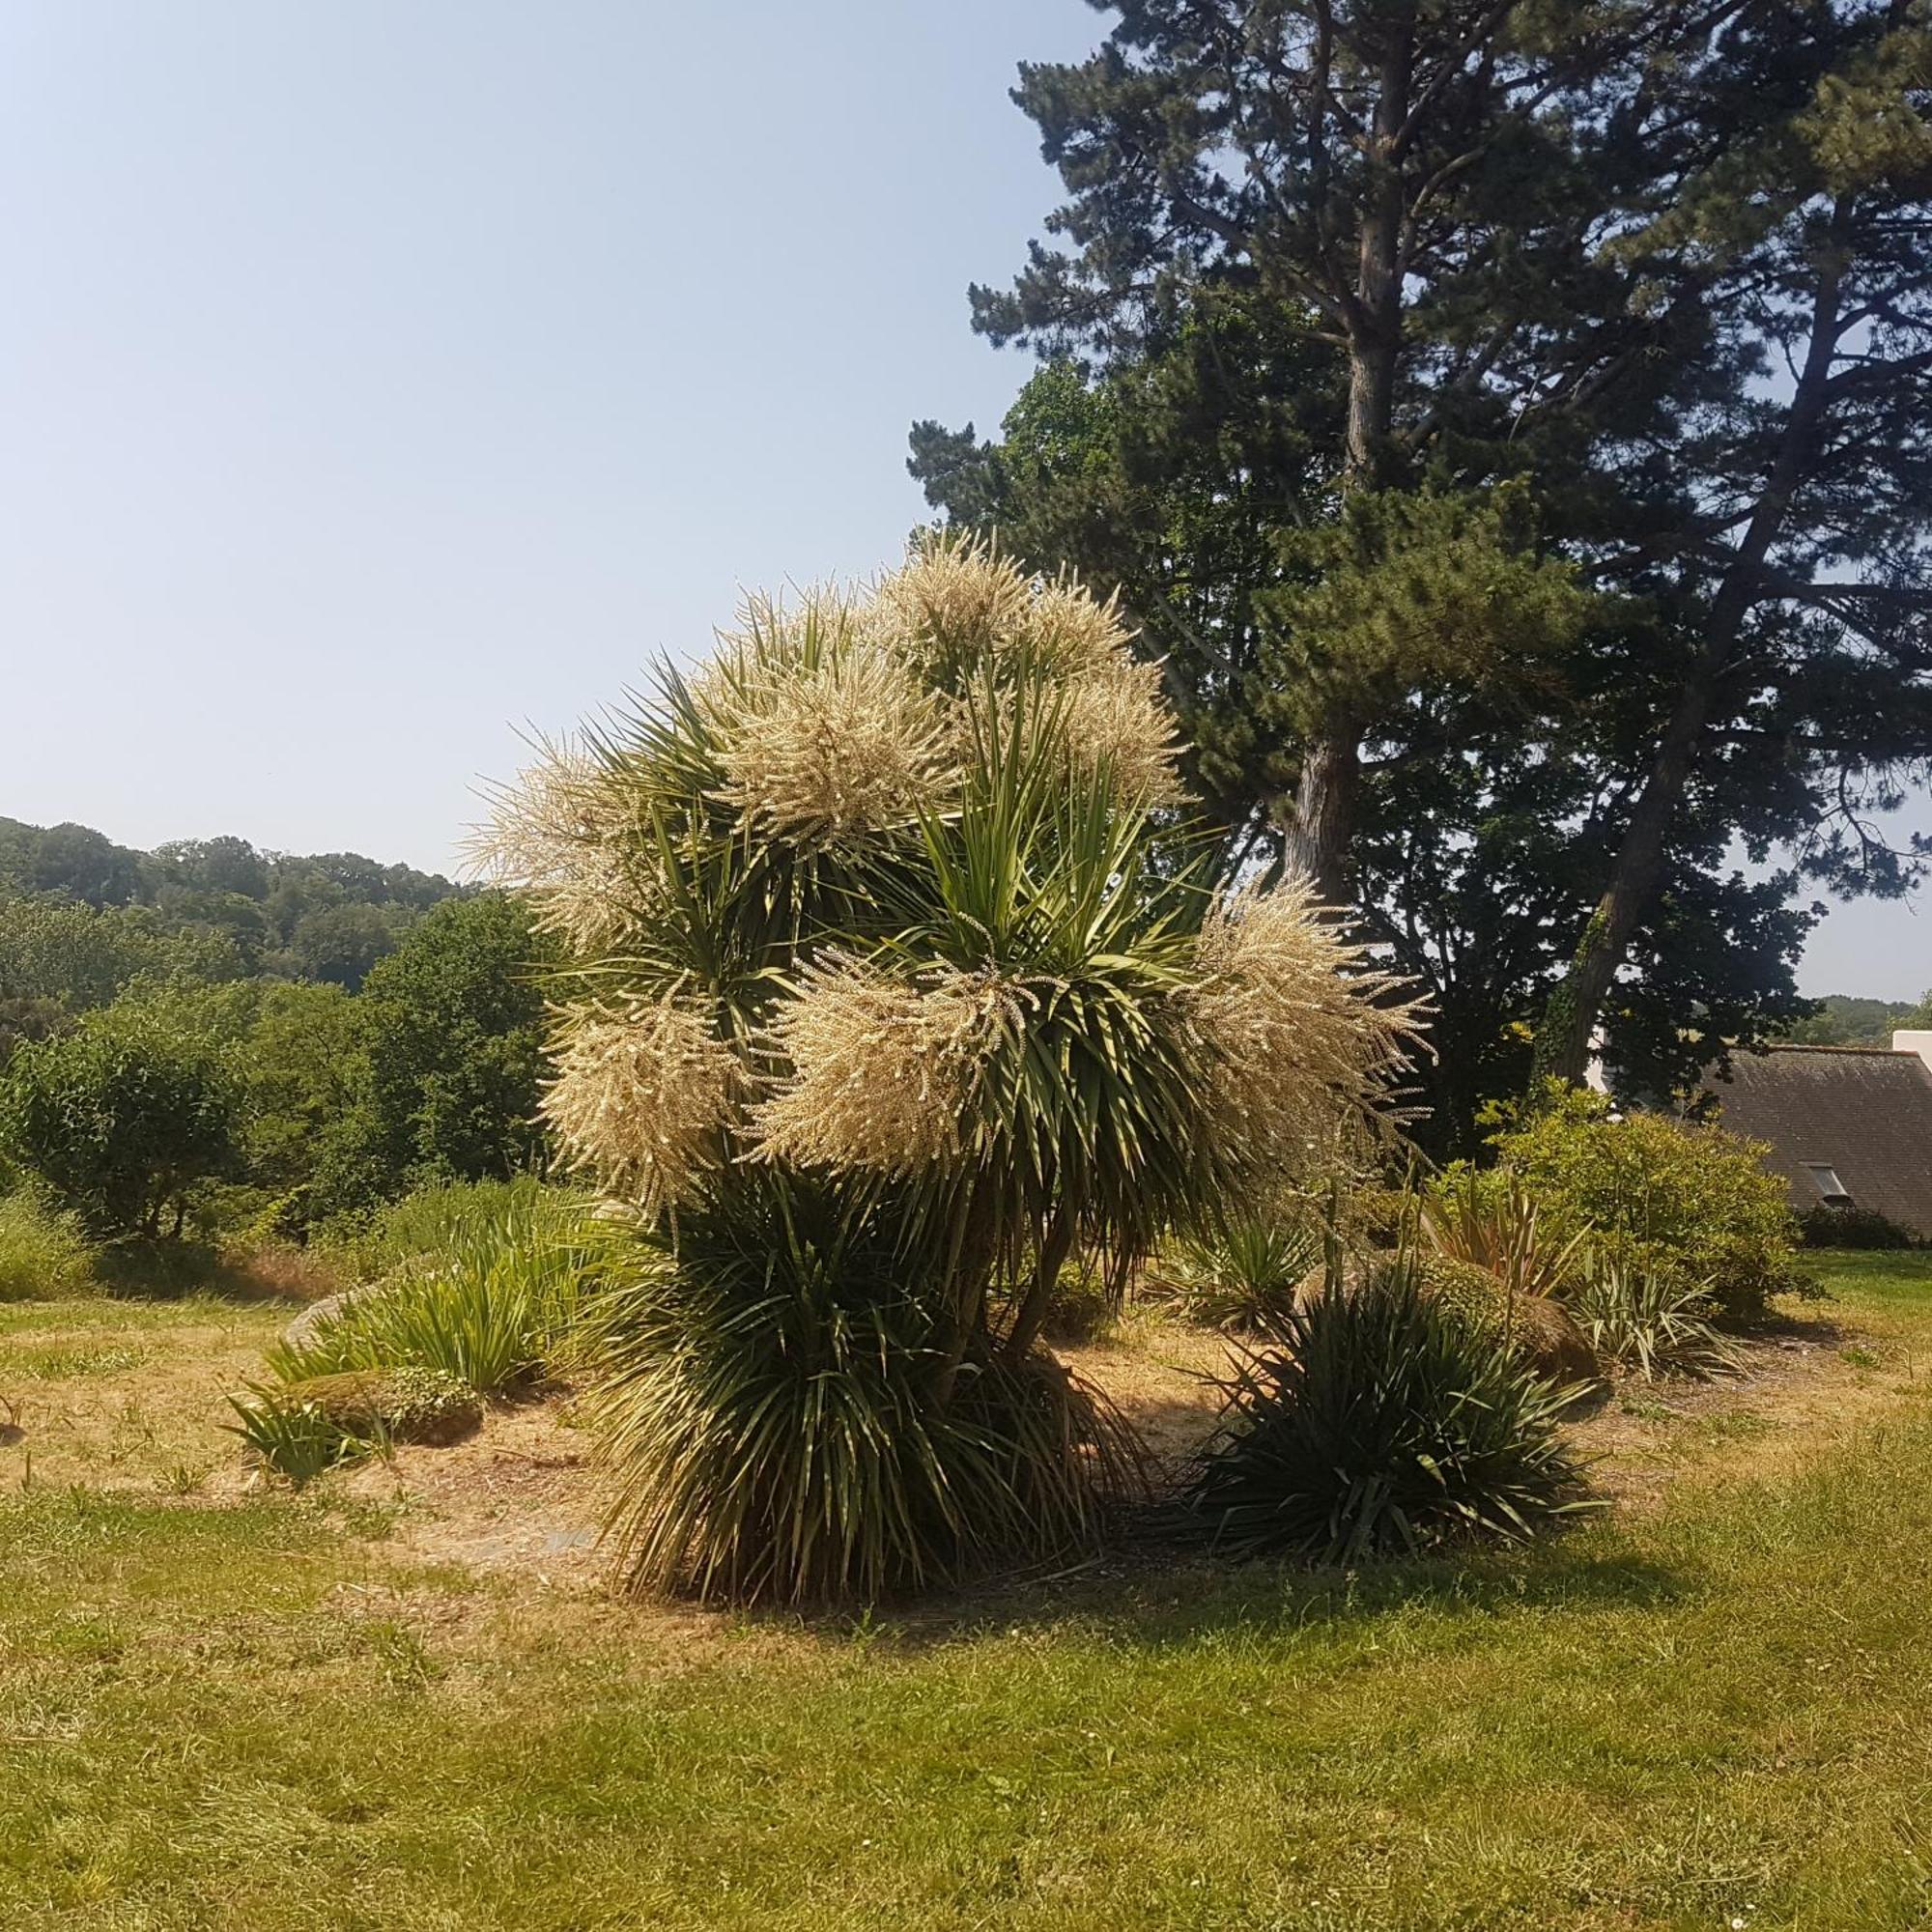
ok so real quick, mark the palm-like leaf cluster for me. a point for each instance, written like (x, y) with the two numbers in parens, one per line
(888, 905)
(1374, 1421)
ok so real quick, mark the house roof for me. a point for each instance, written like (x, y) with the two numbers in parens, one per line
(1864, 1112)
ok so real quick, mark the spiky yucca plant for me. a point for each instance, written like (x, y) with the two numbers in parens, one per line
(767, 1377)
(888, 907)
(1376, 1421)
(1243, 1277)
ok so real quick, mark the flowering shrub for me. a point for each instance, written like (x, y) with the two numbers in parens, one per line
(887, 941)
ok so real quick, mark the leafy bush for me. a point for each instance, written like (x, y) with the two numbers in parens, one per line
(120, 1119)
(406, 1404)
(765, 1397)
(493, 1309)
(44, 1252)
(1649, 1320)
(1690, 1203)
(1377, 1421)
(1823, 1227)
(1245, 1276)
(1538, 1329)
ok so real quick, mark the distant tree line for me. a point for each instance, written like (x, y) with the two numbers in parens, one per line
(1843, 1019)
(212, 1039)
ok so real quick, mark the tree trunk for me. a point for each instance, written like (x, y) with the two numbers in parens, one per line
(1570, 1019)
(1316, 840)
(1323, 819)
(1054, 1248)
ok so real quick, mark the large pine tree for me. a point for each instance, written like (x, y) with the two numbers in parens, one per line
(1437, 557)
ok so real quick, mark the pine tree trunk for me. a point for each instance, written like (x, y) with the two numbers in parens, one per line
(1570, 1019)
(1316, 841)
(1322, 821)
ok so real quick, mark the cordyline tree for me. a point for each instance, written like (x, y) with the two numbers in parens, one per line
(894, 979)
(1564, 410)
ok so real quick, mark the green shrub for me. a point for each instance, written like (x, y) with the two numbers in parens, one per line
(45, 1253)
(1649, 1320)
(1089, 1302)
(1377, 1421)
(406, 1404)
(495, 1307)
(1664, 1198)
(1245, 1276)
(766, 1398)
(1538, 1329)
(122, 1119)
(1823, 1227)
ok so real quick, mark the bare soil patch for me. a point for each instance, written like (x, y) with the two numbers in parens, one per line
(518, 1497)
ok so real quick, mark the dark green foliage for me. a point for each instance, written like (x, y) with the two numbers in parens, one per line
(766, 1389)
(66, 956)
(227, 906)
(1377, 1422)
(1664, 1198)
(73, 860)
(446, 1083)
(1823, 1227)
(342, 1103)
(123, 1118)
(338, 945)
(1343, 273)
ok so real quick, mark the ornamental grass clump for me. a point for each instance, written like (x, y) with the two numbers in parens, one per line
(1245, 1276)
(1649, 1320)
(920, 985)
(1376, 1421)
(493, 1307)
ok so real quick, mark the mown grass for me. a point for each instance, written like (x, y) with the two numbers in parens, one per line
(245, 1717)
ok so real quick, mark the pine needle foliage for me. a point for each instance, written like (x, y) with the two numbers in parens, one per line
(892, 942)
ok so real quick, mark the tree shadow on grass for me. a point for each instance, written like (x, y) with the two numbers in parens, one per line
(1156, 1595)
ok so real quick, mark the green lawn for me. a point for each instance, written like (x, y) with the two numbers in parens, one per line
(243, 1715)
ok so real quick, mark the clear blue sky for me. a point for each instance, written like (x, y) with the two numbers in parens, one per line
(378, 376)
